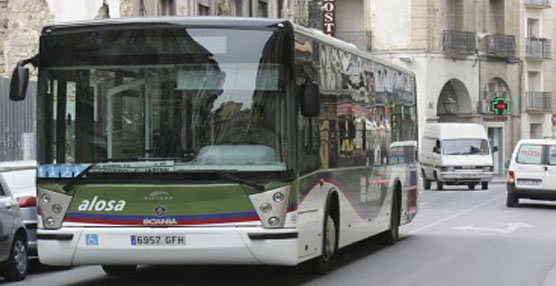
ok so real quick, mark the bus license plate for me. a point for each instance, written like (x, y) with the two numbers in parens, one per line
(164, 240)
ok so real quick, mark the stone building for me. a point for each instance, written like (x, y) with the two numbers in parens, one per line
(539, 74)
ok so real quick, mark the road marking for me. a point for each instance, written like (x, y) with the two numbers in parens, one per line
(507, 229)
(452, 216)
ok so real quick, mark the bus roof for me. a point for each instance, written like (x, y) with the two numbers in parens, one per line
(235, 22)
(168, 20)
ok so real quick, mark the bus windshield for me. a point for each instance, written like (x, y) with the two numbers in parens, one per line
(206, 98)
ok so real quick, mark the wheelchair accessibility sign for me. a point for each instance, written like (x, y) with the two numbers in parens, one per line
(91, 239)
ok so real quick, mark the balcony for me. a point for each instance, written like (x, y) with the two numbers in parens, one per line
(538, 4)
(538, 102)
(361, 39)
(459, 42)
(538, 48)
(498, 45)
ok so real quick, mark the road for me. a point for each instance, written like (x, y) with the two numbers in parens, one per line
(460, 237)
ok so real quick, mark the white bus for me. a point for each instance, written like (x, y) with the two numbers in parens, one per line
(216, 140)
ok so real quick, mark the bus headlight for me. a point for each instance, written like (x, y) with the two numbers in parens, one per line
(52, 208)
(50, 221)
(278, 197)
(272, 206)
(45, 199)
(273, 221)
(266, 208)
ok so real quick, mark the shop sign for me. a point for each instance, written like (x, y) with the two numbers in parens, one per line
(329, 17)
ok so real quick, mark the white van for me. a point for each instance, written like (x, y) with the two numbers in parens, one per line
(456, 154)
(532, 171)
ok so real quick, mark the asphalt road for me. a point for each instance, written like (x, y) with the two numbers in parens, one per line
(460, 237)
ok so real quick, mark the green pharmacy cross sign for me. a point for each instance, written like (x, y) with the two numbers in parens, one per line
(500, 106)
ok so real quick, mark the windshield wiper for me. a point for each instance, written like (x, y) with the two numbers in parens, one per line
(86, 171)
(236, 179)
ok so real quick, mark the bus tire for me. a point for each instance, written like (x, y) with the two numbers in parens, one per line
(321, 264)
(471, 186)
(119, 270)
(484, 185)
(392, 235)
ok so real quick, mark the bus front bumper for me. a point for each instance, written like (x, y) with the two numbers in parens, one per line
(203, 245)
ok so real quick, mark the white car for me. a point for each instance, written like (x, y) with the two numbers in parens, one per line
(532, 171)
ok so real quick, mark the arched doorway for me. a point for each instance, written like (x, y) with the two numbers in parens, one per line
(453, 101)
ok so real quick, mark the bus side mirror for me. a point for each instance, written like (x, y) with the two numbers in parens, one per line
(19, 82)
(494, 149)
(310, 100)
(436, 149)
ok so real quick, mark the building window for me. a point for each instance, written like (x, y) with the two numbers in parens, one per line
(167, 8)
(203, 10)
(263, 9)
(533, 28)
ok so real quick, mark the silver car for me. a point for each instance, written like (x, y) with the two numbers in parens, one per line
(20, 177)
(13, 237)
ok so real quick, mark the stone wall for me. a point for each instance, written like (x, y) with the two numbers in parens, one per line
(3, 27)
(24, 23)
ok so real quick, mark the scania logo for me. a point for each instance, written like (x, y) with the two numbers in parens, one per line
(160, 221)
(100, 205)
(160, 210)
(158, 196)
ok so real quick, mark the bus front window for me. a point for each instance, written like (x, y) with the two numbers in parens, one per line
(212, 98)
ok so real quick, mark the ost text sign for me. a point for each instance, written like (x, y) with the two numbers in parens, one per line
(329, 17)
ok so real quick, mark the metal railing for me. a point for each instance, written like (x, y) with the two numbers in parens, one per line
(499, 45)
(539, 48)
(361, 39)
(459, 42)
(538, 101)
(538, 3)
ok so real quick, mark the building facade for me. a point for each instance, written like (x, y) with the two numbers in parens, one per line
(537, 31)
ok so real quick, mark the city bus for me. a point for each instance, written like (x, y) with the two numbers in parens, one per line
(187, 140)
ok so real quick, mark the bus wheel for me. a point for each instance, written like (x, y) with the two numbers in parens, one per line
(391, 236)
(484, 185)
(321, 264)
(119, 270)
(471, 186)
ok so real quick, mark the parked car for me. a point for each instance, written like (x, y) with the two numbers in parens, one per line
(456, 154)
(13, 237)
(20, 177)
(532, 171)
